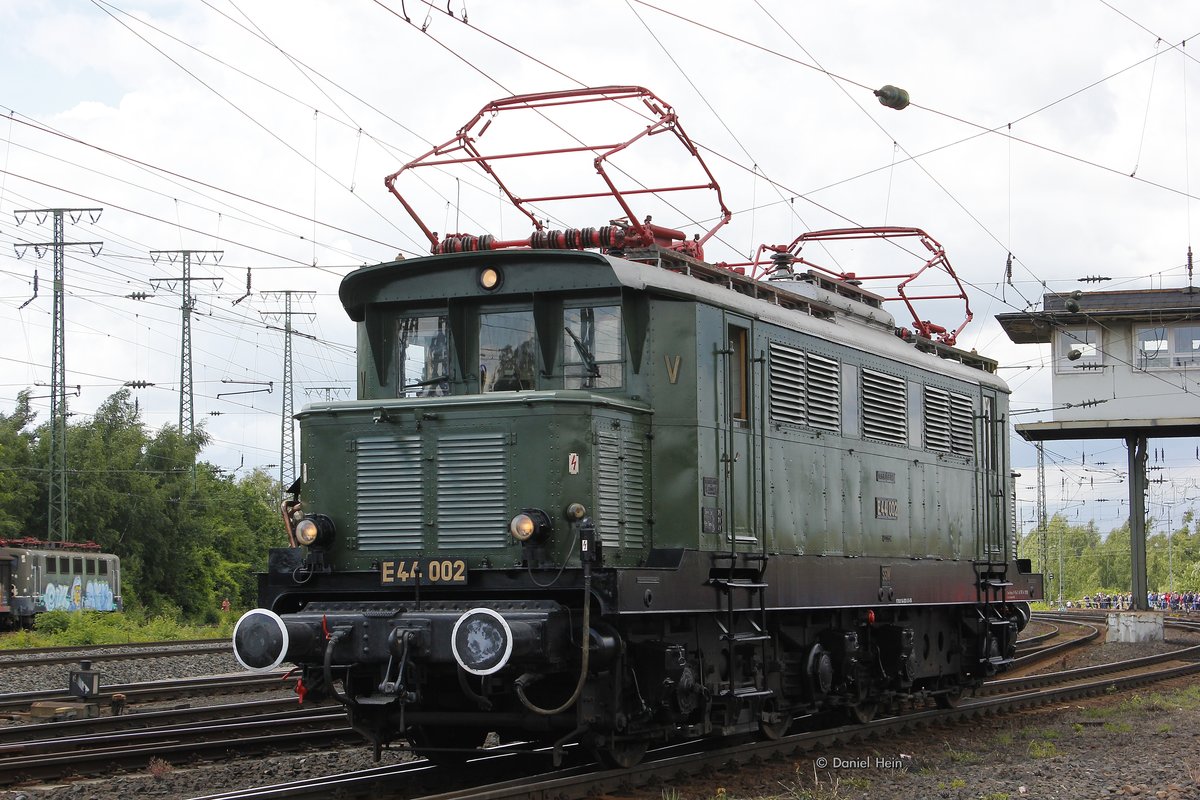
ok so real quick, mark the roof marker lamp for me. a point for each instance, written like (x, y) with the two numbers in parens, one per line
(531, 525)
(489, 279)
(315, 530)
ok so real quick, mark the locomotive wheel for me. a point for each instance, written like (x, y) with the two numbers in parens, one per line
(620, 754)
(444, 744)
(774, 730)
(862, 713)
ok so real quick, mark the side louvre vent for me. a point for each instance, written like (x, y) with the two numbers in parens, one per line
(621, 488)
(388, 493)
(937, 419)
(949, 422)
(885, 412)
(962, 425)
(824, 393)
(787, 385)
(805, 388)
(472, 491)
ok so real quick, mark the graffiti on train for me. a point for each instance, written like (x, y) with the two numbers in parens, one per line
(97, 596)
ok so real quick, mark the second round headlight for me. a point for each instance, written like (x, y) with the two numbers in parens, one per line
(531, 524)
(314, 530)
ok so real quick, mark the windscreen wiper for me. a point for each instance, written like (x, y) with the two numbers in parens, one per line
(589, 360)
(429, 382)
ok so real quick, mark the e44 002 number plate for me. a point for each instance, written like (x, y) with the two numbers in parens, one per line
(425, 571)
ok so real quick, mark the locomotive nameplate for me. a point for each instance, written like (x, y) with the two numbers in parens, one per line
(426, 571)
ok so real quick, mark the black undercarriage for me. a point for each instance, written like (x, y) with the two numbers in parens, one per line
(404, 671)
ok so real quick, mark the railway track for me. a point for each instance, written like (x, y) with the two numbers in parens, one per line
(152, 690)
(56, 750)
(666, 764)
(89, 754)
(1086, 631)
(111, 652)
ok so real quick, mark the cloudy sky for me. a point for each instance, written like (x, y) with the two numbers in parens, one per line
(1055, 131)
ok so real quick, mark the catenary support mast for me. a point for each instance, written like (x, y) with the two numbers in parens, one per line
(57, 518)
(187, 420)
(287, 438)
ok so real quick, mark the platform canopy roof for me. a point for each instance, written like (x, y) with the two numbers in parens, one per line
(1163, 428)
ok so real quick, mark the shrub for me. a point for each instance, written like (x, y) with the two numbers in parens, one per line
(52, 622)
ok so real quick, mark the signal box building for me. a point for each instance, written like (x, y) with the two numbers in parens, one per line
(1137, 352)
(1126, 365)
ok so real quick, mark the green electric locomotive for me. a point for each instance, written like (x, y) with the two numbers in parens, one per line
(625, 497)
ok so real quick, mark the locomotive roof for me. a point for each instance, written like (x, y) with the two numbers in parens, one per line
(826, 309)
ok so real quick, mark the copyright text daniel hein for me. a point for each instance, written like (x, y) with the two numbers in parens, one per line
(901, 761)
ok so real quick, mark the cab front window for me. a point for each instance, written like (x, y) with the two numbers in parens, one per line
(424, 355)
(507, 351)
(592, 347)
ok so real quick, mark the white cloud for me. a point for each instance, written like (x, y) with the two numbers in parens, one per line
(988, 63)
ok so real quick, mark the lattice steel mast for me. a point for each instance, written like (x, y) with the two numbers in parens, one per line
(56, 516)
(187, 420)
(287, 436)
(1043, 534)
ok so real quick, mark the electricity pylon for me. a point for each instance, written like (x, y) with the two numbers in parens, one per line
(57, 513)
(187, 421)
(287, 437)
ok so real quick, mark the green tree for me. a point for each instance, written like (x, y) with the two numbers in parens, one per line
(19, 473)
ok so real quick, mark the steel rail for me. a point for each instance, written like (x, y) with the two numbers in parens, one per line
(1041, 653)
(82, 648)
(145, 720)
(152, 690)
(94, 653)
(43, 759)
(1041, 637)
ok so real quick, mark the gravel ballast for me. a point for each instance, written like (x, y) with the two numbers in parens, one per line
(1141, 744)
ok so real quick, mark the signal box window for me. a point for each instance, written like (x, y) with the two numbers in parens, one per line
(1086, 341)
(592, 355)
(423, 344)
(507, 351)
(1187, 346)
(1150, 349)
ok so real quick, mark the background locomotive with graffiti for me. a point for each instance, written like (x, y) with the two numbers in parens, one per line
(37, 576)
(628, 496)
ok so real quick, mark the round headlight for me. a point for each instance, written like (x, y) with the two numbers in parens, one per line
(307, 532)
(489, 278)
(532, 524)
(522, 527)
(575, 512)
(315, 530)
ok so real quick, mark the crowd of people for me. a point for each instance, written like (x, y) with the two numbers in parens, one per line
(1164, 601)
